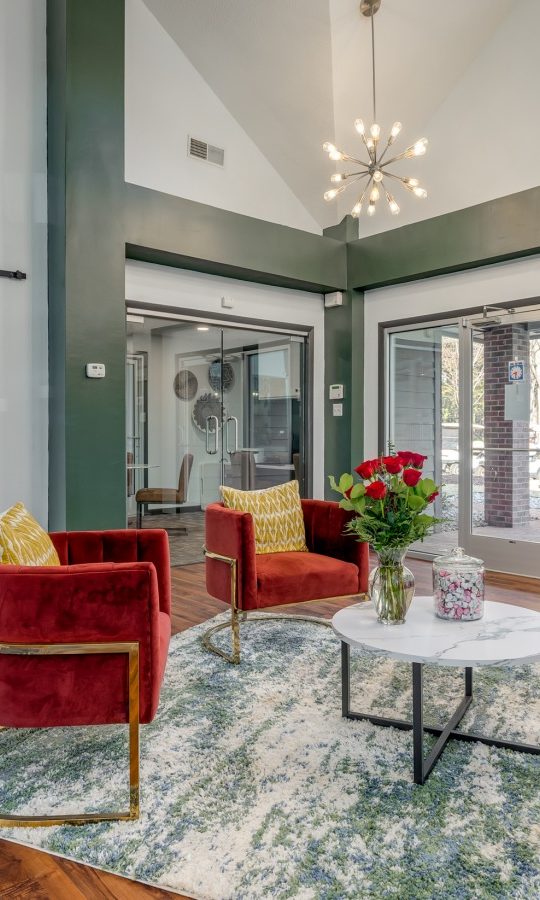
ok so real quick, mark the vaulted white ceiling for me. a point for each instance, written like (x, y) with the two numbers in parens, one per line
(297, 72)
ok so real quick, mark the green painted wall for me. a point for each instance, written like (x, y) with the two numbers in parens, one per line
(86, 273)
(505, 228)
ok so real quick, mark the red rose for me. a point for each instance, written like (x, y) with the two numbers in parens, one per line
(376, 490)
(432, 496)
(418, 460)
(405, 456)
(392, 464)
(411, 477)
(367, 469)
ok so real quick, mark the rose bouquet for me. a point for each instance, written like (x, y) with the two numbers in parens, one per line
(390, 503)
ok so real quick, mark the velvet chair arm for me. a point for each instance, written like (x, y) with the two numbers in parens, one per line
(97, 602)
(120, 546)
(325, 524)
(229, 532)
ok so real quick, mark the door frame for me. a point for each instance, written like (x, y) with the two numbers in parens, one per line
(512, 311)
(243, 323)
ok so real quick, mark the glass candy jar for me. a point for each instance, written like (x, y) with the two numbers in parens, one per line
(458, 586)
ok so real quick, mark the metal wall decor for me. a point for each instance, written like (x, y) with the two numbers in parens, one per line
(217, 371)
(207, 405)
(185, 384)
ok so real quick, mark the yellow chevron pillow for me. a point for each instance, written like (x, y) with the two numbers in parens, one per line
(23, 542)
(277, 516)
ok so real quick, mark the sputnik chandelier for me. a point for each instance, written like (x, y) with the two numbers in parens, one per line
(373, 173)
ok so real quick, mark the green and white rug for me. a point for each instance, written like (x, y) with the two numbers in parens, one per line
(254, 786)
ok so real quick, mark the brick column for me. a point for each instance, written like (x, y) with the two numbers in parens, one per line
(506, 481)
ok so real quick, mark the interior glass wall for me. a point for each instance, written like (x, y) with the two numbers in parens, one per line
(208, 405)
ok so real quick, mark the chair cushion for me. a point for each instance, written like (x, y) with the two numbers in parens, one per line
(23, 542)
(296, 577)
(278, 520)
(157, 495)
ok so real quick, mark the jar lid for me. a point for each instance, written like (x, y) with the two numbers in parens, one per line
(457, 557)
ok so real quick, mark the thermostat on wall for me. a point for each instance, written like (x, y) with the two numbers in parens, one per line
(95, 370)
(335, 392)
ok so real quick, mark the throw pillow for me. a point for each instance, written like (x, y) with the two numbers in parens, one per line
(23, 542)
(277, 516)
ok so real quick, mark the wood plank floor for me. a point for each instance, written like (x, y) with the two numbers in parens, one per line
(26, 873)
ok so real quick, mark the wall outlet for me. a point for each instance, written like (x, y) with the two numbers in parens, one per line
(337, 409)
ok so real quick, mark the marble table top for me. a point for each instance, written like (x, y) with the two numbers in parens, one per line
(506, 634)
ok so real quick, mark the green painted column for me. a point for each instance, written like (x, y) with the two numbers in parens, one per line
(344, 361)
(85, 85)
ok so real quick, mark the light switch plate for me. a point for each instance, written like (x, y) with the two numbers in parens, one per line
(337, 409)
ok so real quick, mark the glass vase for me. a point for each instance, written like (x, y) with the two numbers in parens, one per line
(391, 586)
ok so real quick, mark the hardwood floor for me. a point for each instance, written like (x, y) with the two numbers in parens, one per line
(26, 873)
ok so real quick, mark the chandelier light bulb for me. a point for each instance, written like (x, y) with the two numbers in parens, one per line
(371, 209)
(375, 131)
(329, 195)
(394, 208)
(336, 155)
(374, 196)
(396, 128)
(377, 175)
(337, 177)
(360, 127)
(420, 192)
(411, 182)
(420, 147)
(328, 147)
(356, 210)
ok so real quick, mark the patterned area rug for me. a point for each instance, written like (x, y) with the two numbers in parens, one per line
(254, 786)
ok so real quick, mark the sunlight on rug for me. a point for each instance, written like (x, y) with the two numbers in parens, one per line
(253, 785)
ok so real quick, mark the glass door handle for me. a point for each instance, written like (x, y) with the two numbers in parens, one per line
(208, 433)
(235, 420)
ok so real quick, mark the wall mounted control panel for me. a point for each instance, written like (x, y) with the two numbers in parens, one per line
(335, 392)
(95, 370)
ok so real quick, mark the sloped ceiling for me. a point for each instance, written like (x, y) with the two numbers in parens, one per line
(297, 72)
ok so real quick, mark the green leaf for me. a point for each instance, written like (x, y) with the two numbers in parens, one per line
(359, 504)
(346, 504)
(333, 483)
(358, 491)
(345, 482)
(427, 486)
(416, 502)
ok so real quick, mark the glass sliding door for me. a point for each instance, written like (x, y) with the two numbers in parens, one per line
(422, 413)
(224, 405)
(501, 436)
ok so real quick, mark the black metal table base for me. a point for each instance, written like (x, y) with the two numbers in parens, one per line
(422, 765)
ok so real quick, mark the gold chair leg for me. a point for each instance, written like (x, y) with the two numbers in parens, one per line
(131, 648)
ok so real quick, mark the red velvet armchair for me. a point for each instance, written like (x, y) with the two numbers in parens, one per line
(335, 566)
(85, 643)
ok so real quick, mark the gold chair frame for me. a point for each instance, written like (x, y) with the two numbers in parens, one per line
(241, 616)
(131, 649)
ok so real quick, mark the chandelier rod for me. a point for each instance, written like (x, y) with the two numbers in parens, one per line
(373, 65)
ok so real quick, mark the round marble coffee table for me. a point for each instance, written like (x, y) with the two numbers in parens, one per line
(506, 634)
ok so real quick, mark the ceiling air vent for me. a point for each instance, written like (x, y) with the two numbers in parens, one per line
(201, 150)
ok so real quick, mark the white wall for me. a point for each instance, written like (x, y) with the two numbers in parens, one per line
(167, 100)
(484, 137)
(194, 291)
(501, 283)
(23, 245)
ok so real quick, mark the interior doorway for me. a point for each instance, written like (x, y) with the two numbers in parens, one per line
(222, 404)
